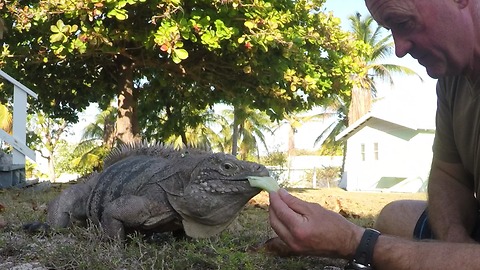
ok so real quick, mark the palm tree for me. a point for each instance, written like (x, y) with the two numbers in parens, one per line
(296, 120)
(203, 135)
(247, 130)
(365, 83)
(97, 140)
(347, 112)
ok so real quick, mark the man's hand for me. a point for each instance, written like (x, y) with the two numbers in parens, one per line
(309, 229)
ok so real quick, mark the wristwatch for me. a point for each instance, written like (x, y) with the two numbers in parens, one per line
(364, 253)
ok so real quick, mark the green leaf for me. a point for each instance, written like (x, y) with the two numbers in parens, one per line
(175, 59)
(57, 37)
(250, 24)
(181, 53)
(120, 14)
(60, 25)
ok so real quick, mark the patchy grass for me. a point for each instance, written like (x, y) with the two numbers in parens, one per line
(85, 248)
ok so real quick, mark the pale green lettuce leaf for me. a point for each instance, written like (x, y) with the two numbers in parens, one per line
(266, 183)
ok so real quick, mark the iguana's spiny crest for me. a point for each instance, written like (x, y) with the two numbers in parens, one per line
(157, 149)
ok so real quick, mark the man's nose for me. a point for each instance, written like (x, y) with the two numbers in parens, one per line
(402, 45)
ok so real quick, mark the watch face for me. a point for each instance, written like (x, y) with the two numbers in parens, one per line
(352, 265)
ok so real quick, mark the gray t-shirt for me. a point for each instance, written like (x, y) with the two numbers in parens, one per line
(457, 136)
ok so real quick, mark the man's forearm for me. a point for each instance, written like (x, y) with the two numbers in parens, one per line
(396, 253)
(451, 203)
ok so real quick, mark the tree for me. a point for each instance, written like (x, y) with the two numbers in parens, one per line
(204, 135)
(45, 137)
(282, 56)
(97, 140)
(346, 111)
(294, 121)
(247, 130)
(372, 69)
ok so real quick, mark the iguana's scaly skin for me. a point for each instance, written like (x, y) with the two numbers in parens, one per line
(154, 188)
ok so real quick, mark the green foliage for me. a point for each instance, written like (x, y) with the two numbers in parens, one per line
(325, 177)
(32, 171)
(347, 109)
(88, 157)
(45, 136)
(246, 131)
(6, 120)
(380, 46)
(97, 141)
(63, 158)
(282, 56)
(275, 158)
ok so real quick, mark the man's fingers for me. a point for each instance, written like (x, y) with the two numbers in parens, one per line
(294, 203)
(279, 226)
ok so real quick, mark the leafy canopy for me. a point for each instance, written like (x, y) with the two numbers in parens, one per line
(276, 56)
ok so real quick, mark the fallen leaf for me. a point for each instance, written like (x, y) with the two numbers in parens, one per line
(3, 223)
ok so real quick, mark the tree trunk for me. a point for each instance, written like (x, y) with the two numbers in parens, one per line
(51, 168)
(291, 141)
(235, 134)
(109, 133)
(360, 104)
(127, 119)
(243, 147)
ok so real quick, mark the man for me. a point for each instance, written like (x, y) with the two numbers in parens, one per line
(444, 36)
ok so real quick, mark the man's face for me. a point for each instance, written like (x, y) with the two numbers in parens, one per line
(431, 31)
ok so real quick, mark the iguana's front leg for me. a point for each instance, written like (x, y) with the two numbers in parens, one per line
(69, 207)
(137, 212)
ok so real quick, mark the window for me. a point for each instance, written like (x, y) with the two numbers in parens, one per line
(362, 151)
(375, 151)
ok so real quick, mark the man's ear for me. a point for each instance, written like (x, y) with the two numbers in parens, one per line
(461, 3)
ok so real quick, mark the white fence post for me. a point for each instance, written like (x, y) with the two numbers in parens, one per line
(19, 123)
(19, 135)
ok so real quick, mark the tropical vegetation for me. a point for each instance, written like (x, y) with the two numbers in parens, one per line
(188, 57)
(166, 62)
(373, 70)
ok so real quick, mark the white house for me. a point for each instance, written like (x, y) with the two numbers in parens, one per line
(390, 148)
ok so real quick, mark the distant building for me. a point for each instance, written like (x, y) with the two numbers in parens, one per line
(390, 148)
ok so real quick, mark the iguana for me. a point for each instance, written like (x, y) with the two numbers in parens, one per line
(155, 188)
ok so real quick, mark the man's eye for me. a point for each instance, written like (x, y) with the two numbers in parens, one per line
(403, 25)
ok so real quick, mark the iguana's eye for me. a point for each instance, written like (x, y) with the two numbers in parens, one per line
(227, 166)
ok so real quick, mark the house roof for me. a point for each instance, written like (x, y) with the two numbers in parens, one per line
(411, 109)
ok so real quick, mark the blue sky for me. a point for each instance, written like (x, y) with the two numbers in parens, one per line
(345, 8)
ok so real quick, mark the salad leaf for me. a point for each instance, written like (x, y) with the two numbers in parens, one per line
(266, 183)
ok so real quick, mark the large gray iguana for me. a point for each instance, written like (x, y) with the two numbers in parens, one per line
(154, 188)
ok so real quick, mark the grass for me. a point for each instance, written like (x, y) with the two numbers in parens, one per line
(85, 248)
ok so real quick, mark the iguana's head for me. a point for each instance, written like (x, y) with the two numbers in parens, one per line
(215, 193)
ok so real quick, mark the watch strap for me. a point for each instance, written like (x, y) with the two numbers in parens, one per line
(364, 253)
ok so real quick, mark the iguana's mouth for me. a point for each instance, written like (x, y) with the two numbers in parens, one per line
(225, 186)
